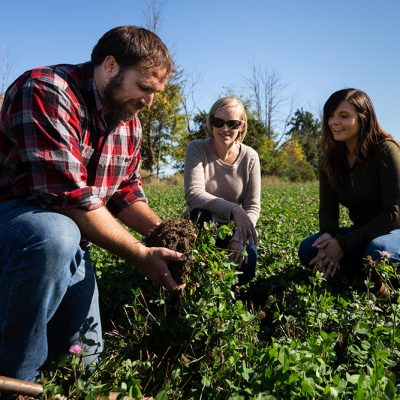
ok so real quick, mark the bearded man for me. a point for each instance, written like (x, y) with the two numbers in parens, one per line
(70, 156)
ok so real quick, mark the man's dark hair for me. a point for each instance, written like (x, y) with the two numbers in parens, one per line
(133, 46)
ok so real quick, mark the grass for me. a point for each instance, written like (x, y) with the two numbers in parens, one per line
(288, 334)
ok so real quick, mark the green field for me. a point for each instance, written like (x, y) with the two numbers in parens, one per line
(288, 334)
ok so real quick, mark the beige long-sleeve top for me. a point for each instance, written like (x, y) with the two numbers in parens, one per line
(215, 186)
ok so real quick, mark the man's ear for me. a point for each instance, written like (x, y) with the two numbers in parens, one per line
(110, 67)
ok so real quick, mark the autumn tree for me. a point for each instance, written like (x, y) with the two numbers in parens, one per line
(306, 130)
(162, 126)
(291, 164)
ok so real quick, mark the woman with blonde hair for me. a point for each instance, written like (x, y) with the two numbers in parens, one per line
(359, 169)
(223, 181)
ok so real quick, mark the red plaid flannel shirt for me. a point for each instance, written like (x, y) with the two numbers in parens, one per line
(56, 149)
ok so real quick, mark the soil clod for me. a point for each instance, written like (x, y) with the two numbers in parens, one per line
(175, 234)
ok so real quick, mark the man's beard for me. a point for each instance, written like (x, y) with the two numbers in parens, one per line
(116, 110)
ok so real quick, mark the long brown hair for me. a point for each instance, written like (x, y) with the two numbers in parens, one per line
(333, 153)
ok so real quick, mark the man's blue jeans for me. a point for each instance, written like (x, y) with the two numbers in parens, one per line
(354, 261)
(48, 290)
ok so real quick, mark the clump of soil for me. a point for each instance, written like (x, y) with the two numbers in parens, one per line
(175, 234)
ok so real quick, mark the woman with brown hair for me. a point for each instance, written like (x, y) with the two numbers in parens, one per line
(360, 170)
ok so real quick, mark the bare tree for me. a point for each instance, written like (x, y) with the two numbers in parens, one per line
(282, 138)
(153, 14)
(188, 84)
(5, 70)
(267, 89)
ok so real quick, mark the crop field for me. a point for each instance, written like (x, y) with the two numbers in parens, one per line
(288, 334)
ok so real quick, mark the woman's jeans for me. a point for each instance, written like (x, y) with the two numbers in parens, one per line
(247, 269)
(48, 290)
(353, 261)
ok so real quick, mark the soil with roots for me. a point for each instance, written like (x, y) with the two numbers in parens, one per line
(175, 234)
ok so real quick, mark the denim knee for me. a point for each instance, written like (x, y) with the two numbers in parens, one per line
(200, 216)
(306, 252)
(389, 243)
(61, 242)
(46, 241)
(38, 229)
(55, 240)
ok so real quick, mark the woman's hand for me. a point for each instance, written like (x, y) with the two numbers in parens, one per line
(237, 249)
(326, 266)
(245, 230)
(322, 240)
(328, 256)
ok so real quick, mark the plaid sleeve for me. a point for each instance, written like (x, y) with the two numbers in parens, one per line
(47, 128)
(130, 190)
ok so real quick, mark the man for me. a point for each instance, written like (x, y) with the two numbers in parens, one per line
(69, 175)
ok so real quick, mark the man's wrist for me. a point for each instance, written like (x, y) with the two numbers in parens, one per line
(138, 253)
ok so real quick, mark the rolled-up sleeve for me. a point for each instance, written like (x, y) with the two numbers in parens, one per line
(130, 190)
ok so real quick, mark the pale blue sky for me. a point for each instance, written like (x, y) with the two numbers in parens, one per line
(316, 46)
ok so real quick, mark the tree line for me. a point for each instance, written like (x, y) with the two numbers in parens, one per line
(288, 149)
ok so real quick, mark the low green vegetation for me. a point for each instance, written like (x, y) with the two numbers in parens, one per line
(288, 334)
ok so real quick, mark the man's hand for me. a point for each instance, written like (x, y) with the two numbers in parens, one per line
(245, 230)
(154, 264)
(102, 229)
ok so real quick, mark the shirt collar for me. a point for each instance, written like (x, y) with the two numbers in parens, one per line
(97, 100)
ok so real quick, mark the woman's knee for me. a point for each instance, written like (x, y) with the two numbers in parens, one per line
(306, 251)
(389, 244)
(200, 216)
(248, 268)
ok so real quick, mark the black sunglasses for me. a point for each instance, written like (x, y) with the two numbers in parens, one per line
(231, 124)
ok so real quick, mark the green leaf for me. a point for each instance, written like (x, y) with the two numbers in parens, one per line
(293, 377)
(134, 391)
(352, 378)
(362, 327)
(205, 381)
(307, 385)
(390, 390)
(162, 395)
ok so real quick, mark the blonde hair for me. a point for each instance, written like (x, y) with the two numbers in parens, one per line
(226, 102)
